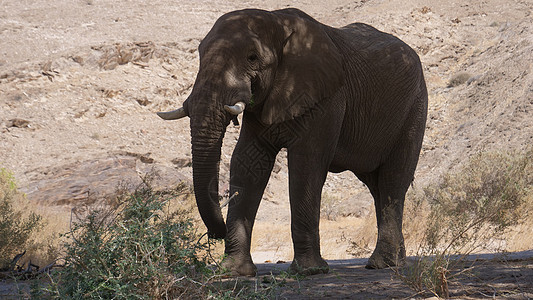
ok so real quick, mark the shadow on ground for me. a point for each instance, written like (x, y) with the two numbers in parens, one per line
(507, 276)
(493, 276)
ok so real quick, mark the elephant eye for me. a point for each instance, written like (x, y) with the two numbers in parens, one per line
(253, 58)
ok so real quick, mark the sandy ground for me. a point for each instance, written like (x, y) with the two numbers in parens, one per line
(80, 82)
(492, 276)
(348, 279)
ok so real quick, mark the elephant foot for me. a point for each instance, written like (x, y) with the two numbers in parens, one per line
(309, 266)
(381, 258)
(238, 266)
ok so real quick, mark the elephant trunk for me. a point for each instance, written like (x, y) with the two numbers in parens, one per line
(209, 116)
(206, 149)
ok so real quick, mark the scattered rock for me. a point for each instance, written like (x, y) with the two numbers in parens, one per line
(19, 123)
(473, 79)
(459, 79)
(144, 158)
(143, 101)
(109, 93)
(120, 54)
(182, 162)
(425, 10)
(78, 59)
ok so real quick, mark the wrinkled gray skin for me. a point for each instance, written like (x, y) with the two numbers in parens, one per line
(350, 98)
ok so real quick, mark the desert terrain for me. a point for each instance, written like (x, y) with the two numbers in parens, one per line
(81, 81)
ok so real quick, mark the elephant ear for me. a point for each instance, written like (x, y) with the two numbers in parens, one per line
(310, 68)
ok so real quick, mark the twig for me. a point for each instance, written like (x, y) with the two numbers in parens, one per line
(32, 271)
(166, 68)
(15, 260)
(140, 65)
(472, 225)
(226, 202)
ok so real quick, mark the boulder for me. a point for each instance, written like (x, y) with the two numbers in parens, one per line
(100, 179)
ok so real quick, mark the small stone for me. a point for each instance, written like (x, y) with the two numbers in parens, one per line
(19, 123)
(182, 162)
(146, 159)
(459, 79)
(125, 56)
(143, 101)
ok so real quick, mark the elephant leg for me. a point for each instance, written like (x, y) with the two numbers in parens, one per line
(389, 185)
(306, 178)
(251, 165)
(371, 181)
(390, 248)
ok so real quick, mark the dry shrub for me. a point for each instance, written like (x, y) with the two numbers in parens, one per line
(330, 207)
(520, 238)
(17, 225)
(469, 211)
(136, 245)
(415, 218)
(365, 237)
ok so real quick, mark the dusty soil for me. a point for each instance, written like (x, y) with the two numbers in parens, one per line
(488, 277)
(80, 82)
(348, 279)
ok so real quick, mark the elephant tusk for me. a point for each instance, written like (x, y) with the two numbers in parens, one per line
(235, 109)
(173, 115)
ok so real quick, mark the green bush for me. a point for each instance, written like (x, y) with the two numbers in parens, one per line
(140, 249)
(144, 248)
(16, 227)
(470, 211)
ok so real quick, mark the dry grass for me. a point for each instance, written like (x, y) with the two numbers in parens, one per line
(459, 79)
(517, 238)
(415, 219)
(56, 222)
(520, 237)
(348, 237)
(330, 207)
(271, 242)
(486, 206)
(345, 238)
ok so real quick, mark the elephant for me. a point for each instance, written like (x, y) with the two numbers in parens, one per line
(337, 99)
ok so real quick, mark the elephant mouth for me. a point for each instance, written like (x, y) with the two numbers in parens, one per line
(254, 88)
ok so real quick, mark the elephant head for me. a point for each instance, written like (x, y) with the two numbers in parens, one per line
(258, 62)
